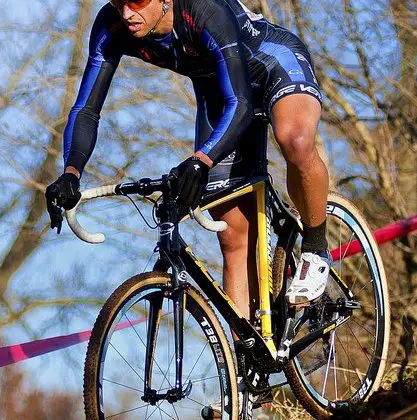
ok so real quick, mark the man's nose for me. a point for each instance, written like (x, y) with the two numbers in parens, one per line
(126, 12)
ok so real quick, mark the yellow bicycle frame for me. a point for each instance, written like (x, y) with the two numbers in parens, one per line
(264, 263)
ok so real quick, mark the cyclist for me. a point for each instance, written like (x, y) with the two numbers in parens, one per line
(236, 60)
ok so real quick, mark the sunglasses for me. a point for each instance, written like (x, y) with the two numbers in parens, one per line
(131, 4)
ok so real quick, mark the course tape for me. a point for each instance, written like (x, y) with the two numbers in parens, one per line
(382, 235)
(19, 352)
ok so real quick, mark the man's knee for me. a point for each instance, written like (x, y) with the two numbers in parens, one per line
(233, 241)
(297, 144)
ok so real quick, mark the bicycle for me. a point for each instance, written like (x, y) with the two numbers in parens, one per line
(157, 327)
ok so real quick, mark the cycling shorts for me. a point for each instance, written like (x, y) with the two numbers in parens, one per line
(287, 70)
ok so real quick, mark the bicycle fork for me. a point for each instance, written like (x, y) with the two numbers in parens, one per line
(177, 392)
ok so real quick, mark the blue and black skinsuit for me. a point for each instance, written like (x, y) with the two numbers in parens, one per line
(228, 52)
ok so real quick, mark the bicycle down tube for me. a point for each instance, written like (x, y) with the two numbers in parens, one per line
(240, 325)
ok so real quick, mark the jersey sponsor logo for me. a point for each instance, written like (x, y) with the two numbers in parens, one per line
(293, 88)
(310, 89)
(249, 26)
(223, 183)
(295, 72)
(284, 91)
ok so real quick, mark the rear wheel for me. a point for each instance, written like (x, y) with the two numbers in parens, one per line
(114, 370)
(346, 365)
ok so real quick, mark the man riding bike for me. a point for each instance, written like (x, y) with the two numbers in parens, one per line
(236, 59)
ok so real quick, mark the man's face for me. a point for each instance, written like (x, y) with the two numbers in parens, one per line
(140, 21)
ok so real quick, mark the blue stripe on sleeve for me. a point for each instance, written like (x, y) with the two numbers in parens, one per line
(227, 89)
(286, 59)
(90, 76)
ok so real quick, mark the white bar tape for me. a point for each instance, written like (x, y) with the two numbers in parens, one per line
(98, 192)
(97, 238)
(207, 223)
(92, 238)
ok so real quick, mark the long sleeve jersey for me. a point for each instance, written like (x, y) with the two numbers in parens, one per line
(219, 40)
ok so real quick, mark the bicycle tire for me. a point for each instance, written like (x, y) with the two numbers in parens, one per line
(139, 288)
(304, 391)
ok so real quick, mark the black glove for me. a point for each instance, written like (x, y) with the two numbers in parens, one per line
(63, 193)
(192, 178)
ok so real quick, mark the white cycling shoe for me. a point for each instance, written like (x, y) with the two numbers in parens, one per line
(310, 278)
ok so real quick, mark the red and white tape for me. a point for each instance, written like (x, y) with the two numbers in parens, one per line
(18, 352)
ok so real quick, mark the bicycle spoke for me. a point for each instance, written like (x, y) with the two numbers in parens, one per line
(359, 344)
(131, 367)
(146, 413)
(124, 386)
(360, 325)
(166, 373)
(357, 274)
(193, 382)
(195, 364)
(189, 398)
(126, 411)
(205, 379)
(144, 345)
(150, 415)
(365, 286)
(328, 365)
(334, 368)
(163, 411)
(173, 406)
(350, 388)
(347, 355)
(347, 345)
(348, 245)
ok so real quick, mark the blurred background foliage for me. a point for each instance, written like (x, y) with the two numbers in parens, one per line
(365, 56)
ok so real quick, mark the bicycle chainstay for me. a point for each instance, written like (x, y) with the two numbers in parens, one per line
(341, 310)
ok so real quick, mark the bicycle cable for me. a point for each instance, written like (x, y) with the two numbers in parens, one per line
(141, 214)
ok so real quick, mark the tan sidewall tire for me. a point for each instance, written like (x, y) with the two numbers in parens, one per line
(290, 370)
(106, 317)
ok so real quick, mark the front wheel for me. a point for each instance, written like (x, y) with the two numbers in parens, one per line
(114, 372)
(347, 364)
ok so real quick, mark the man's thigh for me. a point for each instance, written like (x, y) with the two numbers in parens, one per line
(241, 217)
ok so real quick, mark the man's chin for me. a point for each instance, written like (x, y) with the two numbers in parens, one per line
(139, 34)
